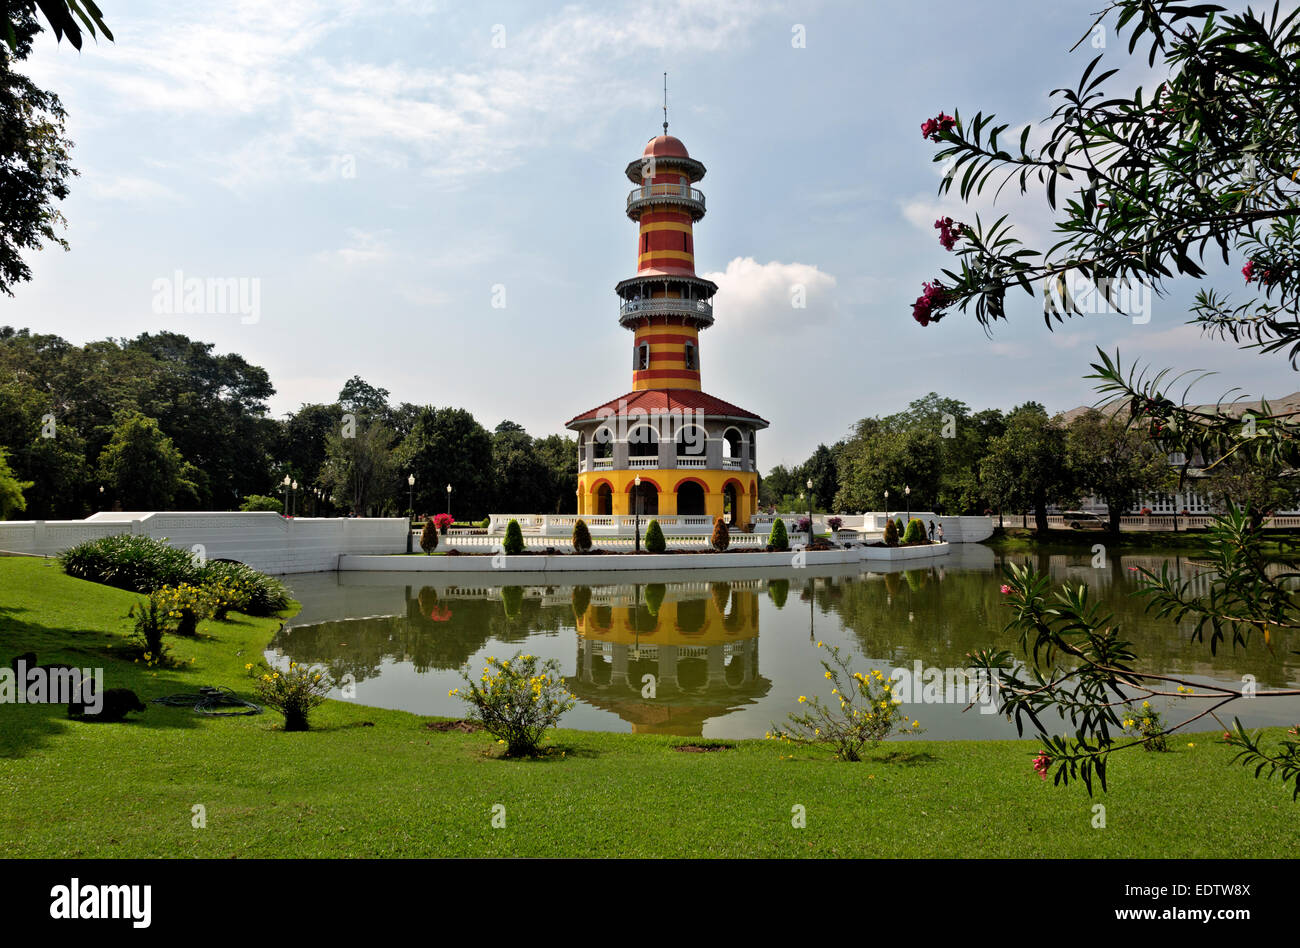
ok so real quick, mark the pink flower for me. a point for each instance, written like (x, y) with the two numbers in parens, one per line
(929, 305)
(1006, 590)
(1042, 763)
(1248, 270)
(948, 232)
(933, 128)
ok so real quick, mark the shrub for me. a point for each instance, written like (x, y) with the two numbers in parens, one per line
(901, 528)
(262, 502)
(867, 712)
(517, 701)
(260, 595)
(294, 693)
(805, 525)
(514, 541)
(778, 590)
(581, 536)
(581, 600)
(891, 533)
(834, 523)
(915, 531)
(1146, 724)
(429, 537)
(187, 604)
(442, 521)
(721, 538)
(654, 538)
(778, 539)
(150, 625)
(140, 564)
(227, 593)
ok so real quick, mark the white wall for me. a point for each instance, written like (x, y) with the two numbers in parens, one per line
(264, 540)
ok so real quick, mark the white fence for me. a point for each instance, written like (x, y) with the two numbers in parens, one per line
(264, 540)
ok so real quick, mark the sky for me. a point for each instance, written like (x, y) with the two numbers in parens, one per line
(430, 195)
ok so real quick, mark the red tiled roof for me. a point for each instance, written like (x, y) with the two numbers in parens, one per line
(670, 399)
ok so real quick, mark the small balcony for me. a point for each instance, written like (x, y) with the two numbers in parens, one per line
(666, 306)
(651, 194)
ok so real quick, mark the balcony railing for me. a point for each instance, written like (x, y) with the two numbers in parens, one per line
(732, 464)
(669, 305)
(667, 194)
(643, 462)
(691, 461)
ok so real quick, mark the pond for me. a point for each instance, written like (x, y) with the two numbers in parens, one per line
(729, 652)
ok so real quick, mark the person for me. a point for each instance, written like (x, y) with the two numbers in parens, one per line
(931, 531)
(940, 533)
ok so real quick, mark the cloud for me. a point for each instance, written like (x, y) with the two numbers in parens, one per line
(128, 188)
(364, 247)
(757, 295)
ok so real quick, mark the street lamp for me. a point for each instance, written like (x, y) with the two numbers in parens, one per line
(908, 491)
(449, 499)
(287, 480)
(410, 508)
(293, 497)
(101, 496)
(810, 527)
(637, 488)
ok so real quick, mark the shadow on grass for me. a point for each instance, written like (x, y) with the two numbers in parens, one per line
(907, 758)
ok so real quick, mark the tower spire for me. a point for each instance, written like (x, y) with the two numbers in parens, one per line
(665, 103)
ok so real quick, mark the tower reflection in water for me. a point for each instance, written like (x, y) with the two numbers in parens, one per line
(667, 659)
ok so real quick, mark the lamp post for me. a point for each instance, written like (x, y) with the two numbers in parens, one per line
(293, 497)
(410, 508)
(287, 480)
(637, 488)
(448, 500)
(907, 492)
(886, 505)
(810, 527)
(101, 496)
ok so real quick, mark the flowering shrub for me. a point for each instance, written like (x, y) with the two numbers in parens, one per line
(929, 306)
(1147, 725)
(294, 693)
(804, 525)
(868, 712)
(934, 127)
(229, 592)
(834, 523)
(442, 521)
(1042, 764)
(186, 604)
(948, 232)
(516, 700)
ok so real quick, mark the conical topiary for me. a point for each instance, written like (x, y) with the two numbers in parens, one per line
(514, 541)
(581, 536)
(654, 538)
(891, 533)
(915, 532)
(778, 590)
(429, 537)
(721, 538)
(778, 539)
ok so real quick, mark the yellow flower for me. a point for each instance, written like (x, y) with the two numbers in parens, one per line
(828, 675)
(248, 666)
(802, 699)
(913, 724)
(1191, 744)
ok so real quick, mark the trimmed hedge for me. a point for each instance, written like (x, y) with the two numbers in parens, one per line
(891, 533)
(721, 538)
(778, 539)
(581, 536)
(514, 541)
(654, 538)
(915, 531)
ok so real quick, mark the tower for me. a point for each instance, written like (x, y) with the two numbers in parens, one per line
(694, 453)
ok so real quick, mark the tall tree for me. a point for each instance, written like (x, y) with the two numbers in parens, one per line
(1115, 463)
(142, 468)
(11, 490)
(447, 446)
(1027, 467)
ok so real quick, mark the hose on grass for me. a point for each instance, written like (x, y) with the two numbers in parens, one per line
(207, 699)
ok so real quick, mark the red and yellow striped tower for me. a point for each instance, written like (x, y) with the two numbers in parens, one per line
(695, 454)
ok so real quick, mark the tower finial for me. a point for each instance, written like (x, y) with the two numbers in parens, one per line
(665, 103)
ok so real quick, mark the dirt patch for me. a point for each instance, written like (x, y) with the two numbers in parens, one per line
(701, 748)
(466, 727)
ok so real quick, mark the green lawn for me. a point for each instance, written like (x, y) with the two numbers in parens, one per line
(396, 788)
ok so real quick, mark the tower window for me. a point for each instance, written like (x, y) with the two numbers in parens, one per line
(691, 362)
(641, 357)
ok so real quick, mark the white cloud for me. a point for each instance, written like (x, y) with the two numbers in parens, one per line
(754, 295)
(128, 188)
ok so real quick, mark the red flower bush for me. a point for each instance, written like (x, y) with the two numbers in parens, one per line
(1042, 764)
(442, 521)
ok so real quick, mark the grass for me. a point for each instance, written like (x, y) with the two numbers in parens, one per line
(1019, 540)
(369, 782)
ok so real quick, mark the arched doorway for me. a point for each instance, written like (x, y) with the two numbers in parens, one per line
(690, 499)
(731, 503)
(604, 501)
(649, 499)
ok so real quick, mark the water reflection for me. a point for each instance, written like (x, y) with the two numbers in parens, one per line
(682, 656)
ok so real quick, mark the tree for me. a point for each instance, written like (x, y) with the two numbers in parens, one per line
(34, 162)
(358, 467)
(11, 490)
(879, 458)
(66, 18)
(654, 538)
(721, 537)
(1206, 164)
(142, 468)
(257, 502)
(581, 536)
(514, 540)
(447, 446)
(1258, 487)
(778, 539)
(520, 477)
(1114, 463)
(1027, 467)
(822, 470)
